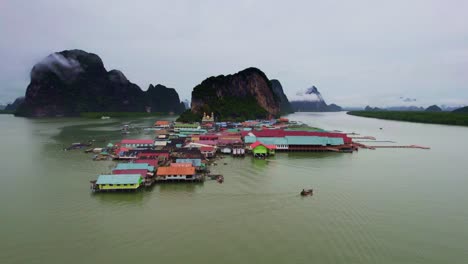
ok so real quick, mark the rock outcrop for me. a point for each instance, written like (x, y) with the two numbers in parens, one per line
(13, 106)
(70, 82)
(285, 106)
(163, 99)
(311, 100)
(247, 94)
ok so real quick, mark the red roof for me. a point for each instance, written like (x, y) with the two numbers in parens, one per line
(151, 162)
(161, 123)
(164, 171)
(138, 141)
(208, 142)
(208, 137)
(258, 143)
(141, 172)
(206, 149)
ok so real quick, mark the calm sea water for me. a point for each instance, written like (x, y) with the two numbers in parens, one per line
(373, 206)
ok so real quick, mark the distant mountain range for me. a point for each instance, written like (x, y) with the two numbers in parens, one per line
(461, 110)
(432, 108)
(311, 100)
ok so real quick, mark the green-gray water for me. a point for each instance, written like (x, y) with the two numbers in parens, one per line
(373, 206)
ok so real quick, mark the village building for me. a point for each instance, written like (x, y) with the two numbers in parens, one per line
(151, 162)
(144, 169)
(208, 151)
(162, 124)
(136, 143)
(117, 182)
(181, 164)
(292, 140)
(153, 154)
(176, 174)
(186, 153)
(194, 162)
(261, 150)
(181, 126)
(207, 118)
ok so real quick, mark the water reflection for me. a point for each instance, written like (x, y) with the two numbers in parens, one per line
(178, 187)
(120, 198)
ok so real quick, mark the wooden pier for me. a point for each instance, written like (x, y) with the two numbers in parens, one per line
(409, 146)
(390, 146)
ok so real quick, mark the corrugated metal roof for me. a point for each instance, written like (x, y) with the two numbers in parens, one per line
(195, 162)
(119, 179)
(250, 139)
(317, 141)
(177, 125)
(273, 140)
(162, 171)
(138, 141)
(133, 166)
(188, 164)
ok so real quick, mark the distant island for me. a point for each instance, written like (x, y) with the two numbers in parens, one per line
(458, 117)
(72, 82)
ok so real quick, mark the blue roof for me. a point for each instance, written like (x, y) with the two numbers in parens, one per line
(273, 140)
(134, 166)
(195, 162)
(250, 139)
(318, 141)
(119, 179)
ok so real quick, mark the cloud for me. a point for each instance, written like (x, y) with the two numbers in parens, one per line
(67, 69)
(348, 47)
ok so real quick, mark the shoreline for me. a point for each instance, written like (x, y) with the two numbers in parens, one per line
(437, 118)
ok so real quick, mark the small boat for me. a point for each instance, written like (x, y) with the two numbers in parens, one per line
(78, 146)
(308, 192)
(220, 179)
(105, 117)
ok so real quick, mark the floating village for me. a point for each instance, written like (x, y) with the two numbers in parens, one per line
(184, 152)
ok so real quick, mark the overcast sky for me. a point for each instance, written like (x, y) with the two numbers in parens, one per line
(356, 52)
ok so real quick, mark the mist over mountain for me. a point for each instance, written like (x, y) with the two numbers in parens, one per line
(311, 100)
(70, 82)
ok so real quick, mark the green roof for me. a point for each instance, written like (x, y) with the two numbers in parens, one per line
(318, 141)
(134, 166)
(119, 179)
(250, 139)
(177, 125)
(273, 140)
(110, 145)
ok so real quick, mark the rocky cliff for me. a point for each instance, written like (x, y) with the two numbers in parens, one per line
(311, 100)
(74, 81)
(163, 99)
(13, 106)
(285, 106)
(247, 94)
